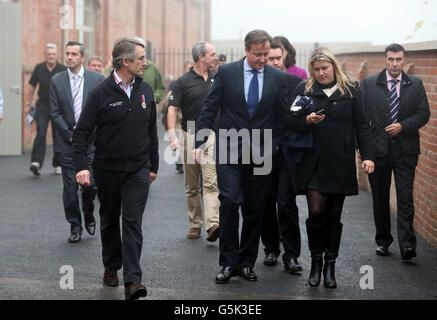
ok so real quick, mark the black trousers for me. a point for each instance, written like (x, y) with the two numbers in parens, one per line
(42, 118)
(70, 194)
(125, 194)
(239, 187)
(403, 166)
(281, 193)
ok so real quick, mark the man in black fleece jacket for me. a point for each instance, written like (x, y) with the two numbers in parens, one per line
(122, 112)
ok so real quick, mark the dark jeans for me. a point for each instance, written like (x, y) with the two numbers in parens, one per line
(281, 192)
(42, 118)
(70, 196)
(403, 167)
(125, 194)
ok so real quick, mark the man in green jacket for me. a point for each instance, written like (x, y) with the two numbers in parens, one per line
(153, 77)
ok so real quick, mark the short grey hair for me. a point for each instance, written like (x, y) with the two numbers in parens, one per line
(95, 58)
(124, 48)
(198, 49)
(51, 46)
(140, 40)
(256, 37)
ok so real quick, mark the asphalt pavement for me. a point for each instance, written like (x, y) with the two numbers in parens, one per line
(34, 249)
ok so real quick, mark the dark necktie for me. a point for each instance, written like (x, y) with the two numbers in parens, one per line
(394, 101)
(253, 95)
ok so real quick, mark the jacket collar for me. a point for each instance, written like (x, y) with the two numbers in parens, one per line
(112, 80)
(382, 78)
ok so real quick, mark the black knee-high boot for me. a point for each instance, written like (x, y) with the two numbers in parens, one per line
(333, 237)
(316, 238)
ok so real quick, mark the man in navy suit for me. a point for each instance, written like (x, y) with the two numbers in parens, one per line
(247, 93)
(68, 92)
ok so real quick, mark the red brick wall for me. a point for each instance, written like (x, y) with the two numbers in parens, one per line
(422, 64)
(37, 17)
(168, 24)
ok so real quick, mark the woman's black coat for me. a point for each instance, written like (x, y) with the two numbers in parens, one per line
(333, 155)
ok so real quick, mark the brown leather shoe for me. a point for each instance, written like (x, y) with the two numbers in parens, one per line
(213, 233)
(194, 233)
(110, 278)
(134, 291)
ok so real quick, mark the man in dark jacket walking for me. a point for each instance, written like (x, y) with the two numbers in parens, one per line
(397, 107)
(68, 92)
(122, 110)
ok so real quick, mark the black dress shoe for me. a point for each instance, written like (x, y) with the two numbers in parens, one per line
(407, 254)
(90, 228)
(248, 274)
(271, 259)
(74, 237)
(382, 251)
(292, 266)
(225, 274)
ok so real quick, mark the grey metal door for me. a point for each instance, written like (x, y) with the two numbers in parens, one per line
(10, 79)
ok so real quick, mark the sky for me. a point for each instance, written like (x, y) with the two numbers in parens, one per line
(377, 21)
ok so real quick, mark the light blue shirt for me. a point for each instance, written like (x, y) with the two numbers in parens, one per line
(1, 102)
(248, 75)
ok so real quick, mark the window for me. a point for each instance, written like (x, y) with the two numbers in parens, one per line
(85, 24)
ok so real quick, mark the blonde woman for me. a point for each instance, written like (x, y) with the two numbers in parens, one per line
(329, 109)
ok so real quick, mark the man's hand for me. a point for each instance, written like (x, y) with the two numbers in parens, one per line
(83, 178)
(152, 176)
(368, 166)
(197, 155)
(1, 117)
(174, 143)
(394, 129)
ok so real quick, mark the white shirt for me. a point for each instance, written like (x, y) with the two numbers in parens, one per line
(126, 87)
(77, 92)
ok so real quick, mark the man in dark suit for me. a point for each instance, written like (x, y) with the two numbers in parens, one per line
(247, 93)
(68, 92)
(281, 199)
(397, 107)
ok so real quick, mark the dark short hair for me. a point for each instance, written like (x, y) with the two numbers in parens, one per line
(222, 57)
(275, 44)
(256, 37)
(394, 47)
(290, 59)
(75, 43)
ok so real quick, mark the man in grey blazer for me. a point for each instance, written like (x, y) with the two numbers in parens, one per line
(68, 93)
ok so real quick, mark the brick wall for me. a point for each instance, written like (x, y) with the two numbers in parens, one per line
(421, 60)
(171, 25)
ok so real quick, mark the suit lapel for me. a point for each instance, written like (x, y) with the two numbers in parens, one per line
(266, 81)
(240, 87)
(67, 88)
(404, 92)
(383, 115)
(85, 87)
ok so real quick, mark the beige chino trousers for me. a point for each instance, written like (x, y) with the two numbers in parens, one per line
(192, 174)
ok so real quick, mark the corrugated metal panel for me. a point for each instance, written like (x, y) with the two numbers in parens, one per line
(10, 79)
